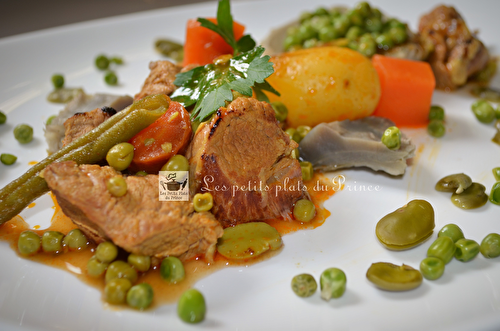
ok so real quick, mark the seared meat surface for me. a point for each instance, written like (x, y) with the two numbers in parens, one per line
(81, 123)
(160, 79)
(138, 222)
(243, 159)
(457, 53)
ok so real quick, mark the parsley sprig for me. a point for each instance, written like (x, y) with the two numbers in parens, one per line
(209, 87)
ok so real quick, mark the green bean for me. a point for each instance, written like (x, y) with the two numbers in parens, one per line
(140, 296)
(483, 111)
(120, 156)
(203, 202)
(57, 81)
(280, 111)
(392, 138)
(8, 159)
(304, 285)
(52, 241)
(101, 62)
(106, 252)
(96, 268)
(115, 292)
(436, 128)
(452, 231)
(496, 173)
(432, 268)
(3, 118)
(307, 170)
(110, 78)
(28, 243)
(495, 194)
(191, 307)
(23, 133)
(89, 148)
(466, 250)
(490, 246)
(172, 270)
(176, 163)
(63, 94)
(75, 239)
(443, 248)
(170, 49)
(436, 113)
(140, 262)
(120, 269)
(117, 186)
(304, 210)
(332, 283)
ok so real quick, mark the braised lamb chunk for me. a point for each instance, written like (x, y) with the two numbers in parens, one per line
(81, 123)
(457, 54)
(160, 79)
(138, 222)
(243, 159)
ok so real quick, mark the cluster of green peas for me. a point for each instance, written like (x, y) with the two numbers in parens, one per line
(102, 62)
(29, 242)
(332, 284)
(23, 134)
(484, 111)
(362, 28)
(452, 243)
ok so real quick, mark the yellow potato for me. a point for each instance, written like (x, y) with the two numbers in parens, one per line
(325, 84)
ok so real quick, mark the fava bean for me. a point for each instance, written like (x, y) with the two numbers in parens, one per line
(495, 194)
(443, 248)
(490, 246)
(454, 183)
(452, 231)
(472, 197)
(432, 268)
(391, 277)
(466, 250)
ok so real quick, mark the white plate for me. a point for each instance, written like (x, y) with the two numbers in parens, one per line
(467, 297)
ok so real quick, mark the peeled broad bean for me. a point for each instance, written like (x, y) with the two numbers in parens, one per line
(443, 248)
(466, 250)
(391, 277)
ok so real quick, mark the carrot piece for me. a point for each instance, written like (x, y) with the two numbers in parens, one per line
(203, 45)
(407, 88)
(168, 135)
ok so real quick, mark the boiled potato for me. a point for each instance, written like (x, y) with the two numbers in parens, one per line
(325, 84)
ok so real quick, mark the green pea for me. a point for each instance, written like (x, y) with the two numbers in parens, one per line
(120, 156)
(392, 138)
(75, 239)
(117, 186)
(368, 48)
(332, 283)
(436, 128)
(398, 35)
(452, 231)
(96, 268)
(52, 241)
(116, 60)
(28, 243)
(57, 81)
(307, 170)
(280, 111)
(354, 32)
(176, 163)
(436, 113)
(172, 270)
(432, 268)
(373, 24)
(466, 250)
(110, 78)
(101, 62)
(320, 22)
(304, 285)
(203, 202)
(295, 154)
(140, 296)
(50, 119)
(310, 43)
(353, 44)
(495, 194)
(8, 159)
(291, 41)
(443, 248)
(304, 16)
(293, 134)
(115, 292)
(384, 41)
(376, 13)
(490, 246)
(394, 23)
(120, 269)
(483, 111)
(63, 94)
(140, 262)
(364, 9)
(23, 133)
(355, 18)
(170, 49)
(327, 33)
(320, 11)
(306, 31)
(141, 173)
(303, 130)
(191, 307)
(304, 210)
(3, 118)
(496, 173)
(341, 24)
(106, 252)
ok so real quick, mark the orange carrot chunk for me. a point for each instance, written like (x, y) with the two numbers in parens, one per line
(167, 136)
(202, 45)
(406, 90)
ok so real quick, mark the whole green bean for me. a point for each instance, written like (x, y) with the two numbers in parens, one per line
(89, 148)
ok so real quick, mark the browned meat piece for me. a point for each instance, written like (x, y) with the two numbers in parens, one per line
(457, 54)
(138, 222)
(237, 155)
(81, 123)
(160, 79)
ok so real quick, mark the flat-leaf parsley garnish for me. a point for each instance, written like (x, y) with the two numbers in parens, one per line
(209, 87)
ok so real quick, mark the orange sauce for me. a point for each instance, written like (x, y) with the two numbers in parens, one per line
(165, 293)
